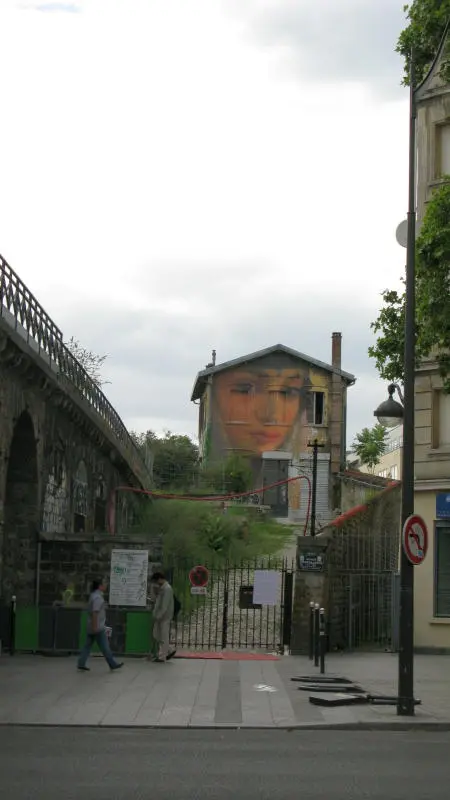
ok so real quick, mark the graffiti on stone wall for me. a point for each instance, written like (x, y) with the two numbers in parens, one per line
(56, 497)
(80, 496)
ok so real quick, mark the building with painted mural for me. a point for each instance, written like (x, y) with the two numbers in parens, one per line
(432, 405)
(269, 406)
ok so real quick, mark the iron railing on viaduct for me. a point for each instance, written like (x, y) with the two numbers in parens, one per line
(20, 309)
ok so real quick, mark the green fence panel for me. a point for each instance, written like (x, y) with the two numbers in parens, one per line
(138, 636)
(27, 629)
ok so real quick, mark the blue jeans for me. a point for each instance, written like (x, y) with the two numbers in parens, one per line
(103, 645)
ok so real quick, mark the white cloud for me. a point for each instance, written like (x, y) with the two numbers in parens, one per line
(166, 189)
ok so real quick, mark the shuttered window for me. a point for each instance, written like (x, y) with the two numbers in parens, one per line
(442, 570)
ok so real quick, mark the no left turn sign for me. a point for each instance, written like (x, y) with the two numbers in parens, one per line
(415, 539)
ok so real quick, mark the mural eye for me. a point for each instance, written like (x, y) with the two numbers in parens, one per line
(242, 388)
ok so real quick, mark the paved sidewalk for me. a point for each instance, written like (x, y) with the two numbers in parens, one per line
(207, 693)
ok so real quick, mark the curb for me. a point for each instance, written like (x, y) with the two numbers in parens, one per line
(307, 726)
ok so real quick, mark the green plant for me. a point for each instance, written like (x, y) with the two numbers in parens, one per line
(232, 476)
(370, 444)
(423, 34)
(432, 299)
(175, 459)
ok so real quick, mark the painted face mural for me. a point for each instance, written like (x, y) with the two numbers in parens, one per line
(258, 406)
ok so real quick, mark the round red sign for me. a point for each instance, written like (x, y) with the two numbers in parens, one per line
(199, 576)
(415, 539)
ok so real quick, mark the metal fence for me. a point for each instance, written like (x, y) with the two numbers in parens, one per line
(225, 617)
(363, 589)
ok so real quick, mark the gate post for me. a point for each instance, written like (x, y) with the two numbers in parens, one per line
(225, 610)
(311, 587)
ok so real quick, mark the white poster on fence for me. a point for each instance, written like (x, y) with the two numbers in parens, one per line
(128, 579)
(266, 587)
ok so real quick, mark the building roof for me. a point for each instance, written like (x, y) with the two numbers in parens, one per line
(203, 376)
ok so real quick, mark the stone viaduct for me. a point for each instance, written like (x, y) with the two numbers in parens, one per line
(63, 447)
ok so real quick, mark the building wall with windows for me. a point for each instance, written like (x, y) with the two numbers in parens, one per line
(432, 405)
(268, 406)
(390, 463)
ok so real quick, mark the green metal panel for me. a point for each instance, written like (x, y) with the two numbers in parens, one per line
(27, 628)
(139, 626)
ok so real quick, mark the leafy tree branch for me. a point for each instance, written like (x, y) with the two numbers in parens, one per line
(370, 444)
(432, 299)
(423, 34)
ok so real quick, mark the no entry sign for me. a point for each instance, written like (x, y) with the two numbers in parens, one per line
(415, 539)
(199, 576)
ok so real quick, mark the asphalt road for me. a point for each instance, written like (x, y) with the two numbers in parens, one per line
(94, 764)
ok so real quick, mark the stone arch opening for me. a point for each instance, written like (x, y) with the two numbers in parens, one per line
(56, 496)
(100, 504)
(21, 514)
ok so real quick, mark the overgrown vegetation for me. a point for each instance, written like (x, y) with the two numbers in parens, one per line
(432, 299)
(198, 532)
(175, 459)
(423, 34)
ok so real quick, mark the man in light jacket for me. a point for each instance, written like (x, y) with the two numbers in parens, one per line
(163, 612)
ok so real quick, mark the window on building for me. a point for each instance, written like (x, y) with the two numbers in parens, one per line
(394, 472)
(442, 150)
(239, 404)
(441, 419)
(318, 408)
(442, 570)
(383, 473)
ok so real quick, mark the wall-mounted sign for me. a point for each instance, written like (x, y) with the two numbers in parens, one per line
(128, 579)
(443, 505)
(311, 561)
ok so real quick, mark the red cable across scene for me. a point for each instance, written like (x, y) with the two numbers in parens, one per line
(209, 499)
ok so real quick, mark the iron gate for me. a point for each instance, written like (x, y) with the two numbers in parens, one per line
(365, 610)
(226, 617)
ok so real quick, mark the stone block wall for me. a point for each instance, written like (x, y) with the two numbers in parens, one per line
(363, 541)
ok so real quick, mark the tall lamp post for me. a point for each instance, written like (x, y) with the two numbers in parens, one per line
(391, 413)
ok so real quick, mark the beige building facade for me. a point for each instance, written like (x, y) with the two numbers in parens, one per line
(390, 463)
(432, 405)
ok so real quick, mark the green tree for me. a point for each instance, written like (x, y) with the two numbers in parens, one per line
(423, 34)
(175, 458)
(432, 299)
(370, 444)
(232, 476)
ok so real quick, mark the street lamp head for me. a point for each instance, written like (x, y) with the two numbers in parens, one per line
(389, 413)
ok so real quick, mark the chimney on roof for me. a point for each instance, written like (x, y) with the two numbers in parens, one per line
(336, 349)
(213, 358)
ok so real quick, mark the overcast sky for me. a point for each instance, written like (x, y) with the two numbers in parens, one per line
(183, 175)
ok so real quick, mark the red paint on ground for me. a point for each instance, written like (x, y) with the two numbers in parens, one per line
(229, 656)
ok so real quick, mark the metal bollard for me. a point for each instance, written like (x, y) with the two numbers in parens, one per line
(322, 640)
(311, 631)
(316, 634)
(12, 626)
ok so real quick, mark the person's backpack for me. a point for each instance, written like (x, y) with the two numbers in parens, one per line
(176, 607)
